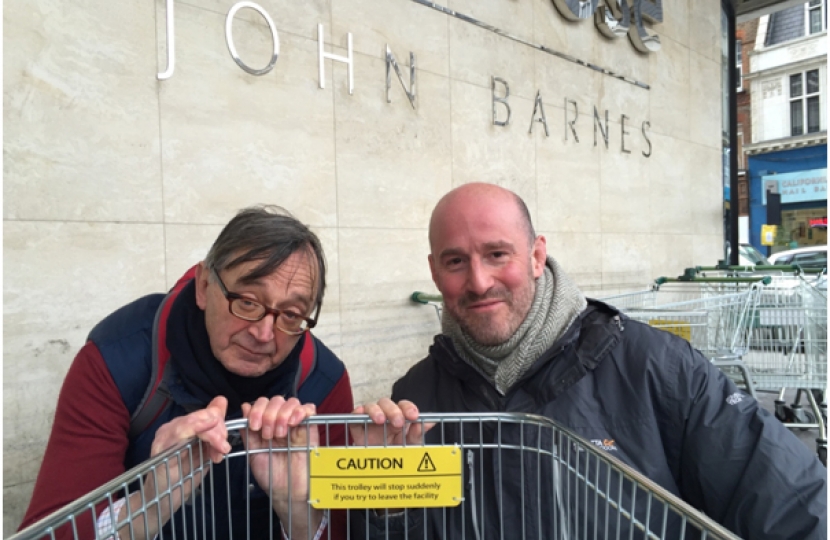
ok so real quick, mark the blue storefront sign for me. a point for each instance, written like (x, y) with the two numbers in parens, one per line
(801, 186)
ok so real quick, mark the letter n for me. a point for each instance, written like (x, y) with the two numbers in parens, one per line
(391, 62)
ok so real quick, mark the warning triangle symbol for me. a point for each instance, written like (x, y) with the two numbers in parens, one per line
(426, 464)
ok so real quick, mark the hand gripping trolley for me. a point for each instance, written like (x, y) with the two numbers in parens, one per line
(493, 476)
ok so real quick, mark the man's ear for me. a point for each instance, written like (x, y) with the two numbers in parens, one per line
(539, 255)
(202, 277)
(433, 270)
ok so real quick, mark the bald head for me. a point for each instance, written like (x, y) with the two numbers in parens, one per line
(485, 259)
(500, 202)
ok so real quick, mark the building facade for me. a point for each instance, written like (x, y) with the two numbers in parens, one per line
(134, 130)
(788, 152)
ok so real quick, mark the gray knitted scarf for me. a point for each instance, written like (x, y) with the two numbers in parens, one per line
(556, 304)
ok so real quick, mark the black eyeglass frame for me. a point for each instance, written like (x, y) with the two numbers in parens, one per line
(231, 296)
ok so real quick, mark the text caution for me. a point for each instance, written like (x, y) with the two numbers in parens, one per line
(395, 477)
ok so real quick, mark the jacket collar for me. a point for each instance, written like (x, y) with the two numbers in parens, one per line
(593, 334)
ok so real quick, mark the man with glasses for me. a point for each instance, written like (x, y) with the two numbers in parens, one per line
(230, 340)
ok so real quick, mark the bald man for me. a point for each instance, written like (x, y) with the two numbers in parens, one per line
(518, 336)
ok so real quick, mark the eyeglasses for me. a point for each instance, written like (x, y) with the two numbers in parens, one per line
(286, 320)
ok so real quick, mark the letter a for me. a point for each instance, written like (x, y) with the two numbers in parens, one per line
(538, 106)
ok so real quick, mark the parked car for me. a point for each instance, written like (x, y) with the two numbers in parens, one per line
(749, 256)
(806, 257)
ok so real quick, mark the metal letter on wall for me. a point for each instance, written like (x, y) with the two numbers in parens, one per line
(613, 18)
(623, 118)
(171, 44)
(643, 127)
(232, 48)
(573, 10)
(572, 122)
(598, 123)
(348, 60)
(390, 61)
(502, 100)
(538, 106)
(651, 10)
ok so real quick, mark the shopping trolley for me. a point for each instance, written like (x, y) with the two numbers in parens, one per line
(788, 349)
(472, 476)
(714, 314)
(788, 344)
(777, 341)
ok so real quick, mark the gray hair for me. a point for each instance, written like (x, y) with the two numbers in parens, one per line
(269, 234)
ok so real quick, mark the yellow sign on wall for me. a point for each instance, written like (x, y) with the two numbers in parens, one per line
(768, 234)
(389, 477)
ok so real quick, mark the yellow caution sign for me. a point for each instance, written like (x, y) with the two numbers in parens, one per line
(678, 328)
(391, 477)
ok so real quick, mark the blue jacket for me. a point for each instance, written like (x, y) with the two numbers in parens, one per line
(644, 396)
(125, 340)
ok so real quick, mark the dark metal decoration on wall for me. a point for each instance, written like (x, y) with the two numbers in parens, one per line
(643, 127)
(232, 48)
(623, 133)
(637, 4)
(502, 100)
(391, 62)
(539, 106)
(614, 18)
(598, 124)
(348, 60)
(572, 122)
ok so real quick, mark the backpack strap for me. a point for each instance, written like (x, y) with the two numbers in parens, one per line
(155, 401)
(308, 359)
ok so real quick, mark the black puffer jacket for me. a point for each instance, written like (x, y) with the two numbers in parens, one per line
(645, 397)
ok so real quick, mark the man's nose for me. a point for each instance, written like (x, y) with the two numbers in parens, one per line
(263, 329)
(479, 280)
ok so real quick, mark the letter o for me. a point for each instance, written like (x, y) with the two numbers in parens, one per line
(232, 48)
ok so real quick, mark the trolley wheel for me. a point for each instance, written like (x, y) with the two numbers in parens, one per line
(782, 412)
(821, 450)
(802, 416)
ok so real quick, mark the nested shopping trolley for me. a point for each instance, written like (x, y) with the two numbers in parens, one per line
(715, 314)
(493, 476)
(788, 342)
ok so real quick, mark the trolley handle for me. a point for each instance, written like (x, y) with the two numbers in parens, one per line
(425, 298)
(761, 268)
(766, 280)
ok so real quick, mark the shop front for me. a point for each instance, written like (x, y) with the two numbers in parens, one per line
(797, 180)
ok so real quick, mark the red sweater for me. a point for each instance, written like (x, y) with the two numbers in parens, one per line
(89, 440)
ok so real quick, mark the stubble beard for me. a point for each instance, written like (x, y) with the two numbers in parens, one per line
(493, 329)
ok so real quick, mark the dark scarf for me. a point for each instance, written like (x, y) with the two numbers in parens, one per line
(203, 376)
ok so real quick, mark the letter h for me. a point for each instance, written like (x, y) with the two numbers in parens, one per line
(348, 60)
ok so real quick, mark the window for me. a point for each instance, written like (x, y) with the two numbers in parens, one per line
(739, 66)
(804, 103)
(816, 16)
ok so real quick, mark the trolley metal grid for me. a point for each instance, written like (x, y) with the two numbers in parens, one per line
(789, 338)
(522, 477)
(779, 342)
(715, 315)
